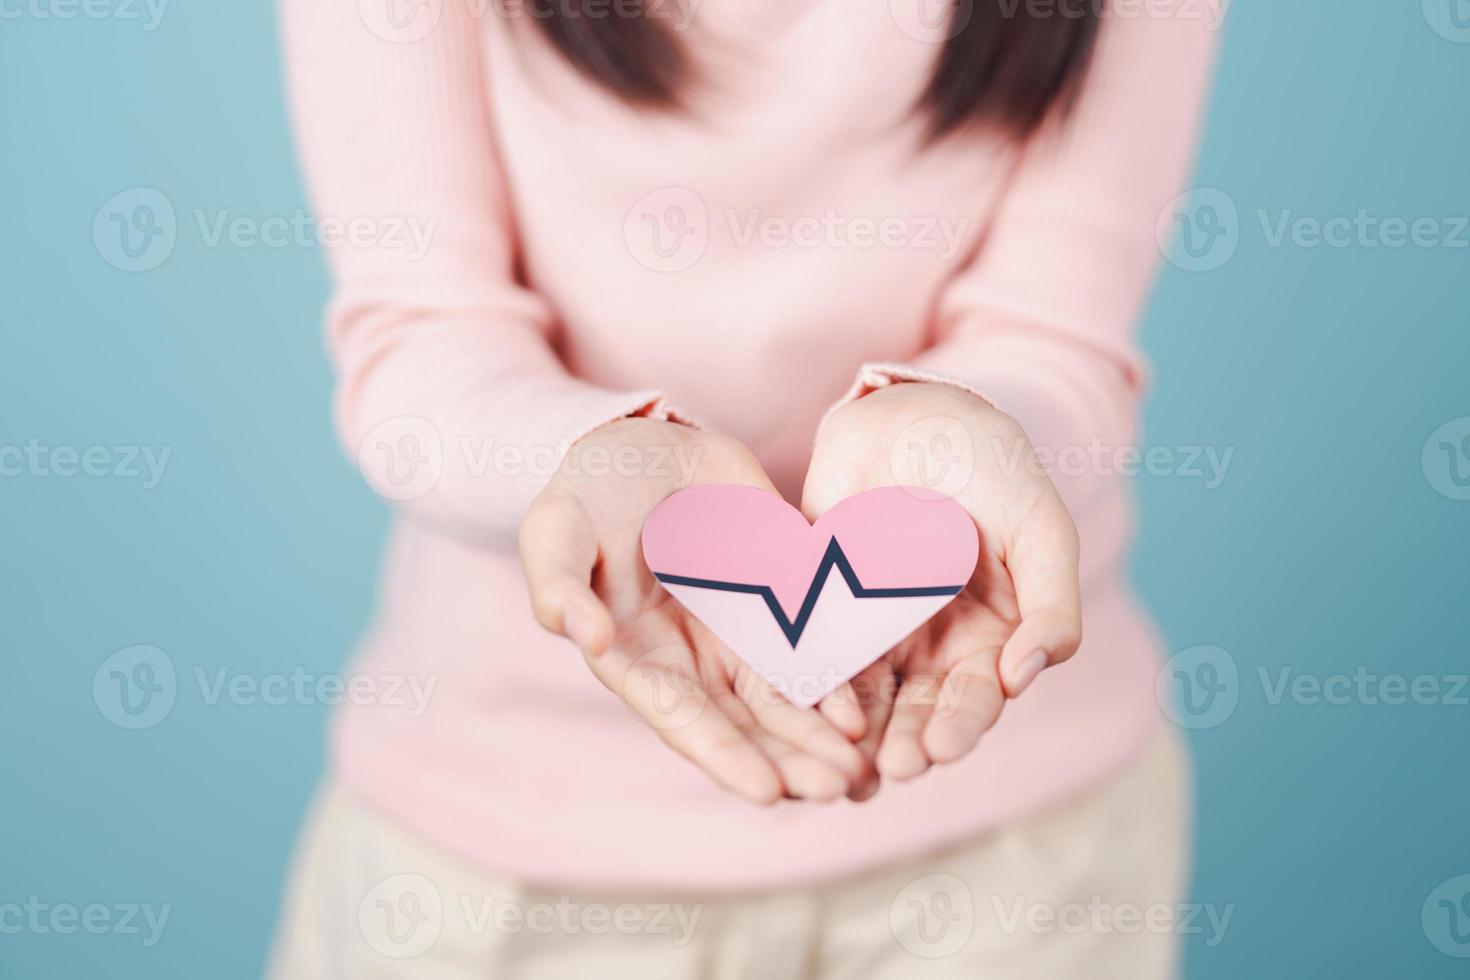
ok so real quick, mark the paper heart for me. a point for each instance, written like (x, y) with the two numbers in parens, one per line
(751, 568)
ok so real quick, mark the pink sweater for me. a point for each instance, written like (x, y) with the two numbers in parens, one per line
(745, 263)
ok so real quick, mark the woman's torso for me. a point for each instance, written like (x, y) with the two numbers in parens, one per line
(745, 260)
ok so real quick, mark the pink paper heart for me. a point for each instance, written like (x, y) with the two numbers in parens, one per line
(809, 606)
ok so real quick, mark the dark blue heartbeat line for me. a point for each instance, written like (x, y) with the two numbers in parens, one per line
(833, 558)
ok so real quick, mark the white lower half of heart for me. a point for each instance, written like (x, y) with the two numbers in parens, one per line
(844, 633)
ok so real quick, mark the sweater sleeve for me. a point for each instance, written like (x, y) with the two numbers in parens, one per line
(449, 393)
(1042, 322)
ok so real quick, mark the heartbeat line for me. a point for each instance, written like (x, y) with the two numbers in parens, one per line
(832, 558)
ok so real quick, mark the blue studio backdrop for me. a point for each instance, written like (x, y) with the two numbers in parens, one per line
(176, 513)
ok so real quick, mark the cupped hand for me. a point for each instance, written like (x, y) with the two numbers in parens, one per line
(580, 545)
(930, 699)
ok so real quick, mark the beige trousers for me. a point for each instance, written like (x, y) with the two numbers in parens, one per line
(1091, 889)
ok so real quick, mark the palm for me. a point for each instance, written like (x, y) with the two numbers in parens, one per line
(931, 698)
(677, 676)
(706, 703)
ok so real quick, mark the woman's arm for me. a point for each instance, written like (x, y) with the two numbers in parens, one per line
(443, 359)
(1041, 324)
(450, 348)
(1043, 321)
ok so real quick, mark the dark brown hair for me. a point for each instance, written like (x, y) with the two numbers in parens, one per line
(1006, 65)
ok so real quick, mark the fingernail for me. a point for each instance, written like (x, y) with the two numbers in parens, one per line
(864, 791)
(1026, 673)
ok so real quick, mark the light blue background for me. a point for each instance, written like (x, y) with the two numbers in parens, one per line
(1327, 548)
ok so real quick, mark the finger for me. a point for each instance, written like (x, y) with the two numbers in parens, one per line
(805, 729)
(803, 776)
(901, 754)
(668, 695)
(876, 688)
(558, 553)
(970, 702)
(843, 709)
(825, 484)
(1042, 562)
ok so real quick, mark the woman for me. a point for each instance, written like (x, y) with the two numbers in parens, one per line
(812, 246)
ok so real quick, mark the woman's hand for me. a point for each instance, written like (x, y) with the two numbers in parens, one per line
(581, 547)
(931, 698)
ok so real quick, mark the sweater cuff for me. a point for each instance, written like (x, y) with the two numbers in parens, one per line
(636, 405)
(882, 374)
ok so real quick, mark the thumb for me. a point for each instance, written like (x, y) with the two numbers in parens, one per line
(558, 553)
(1043, 567)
